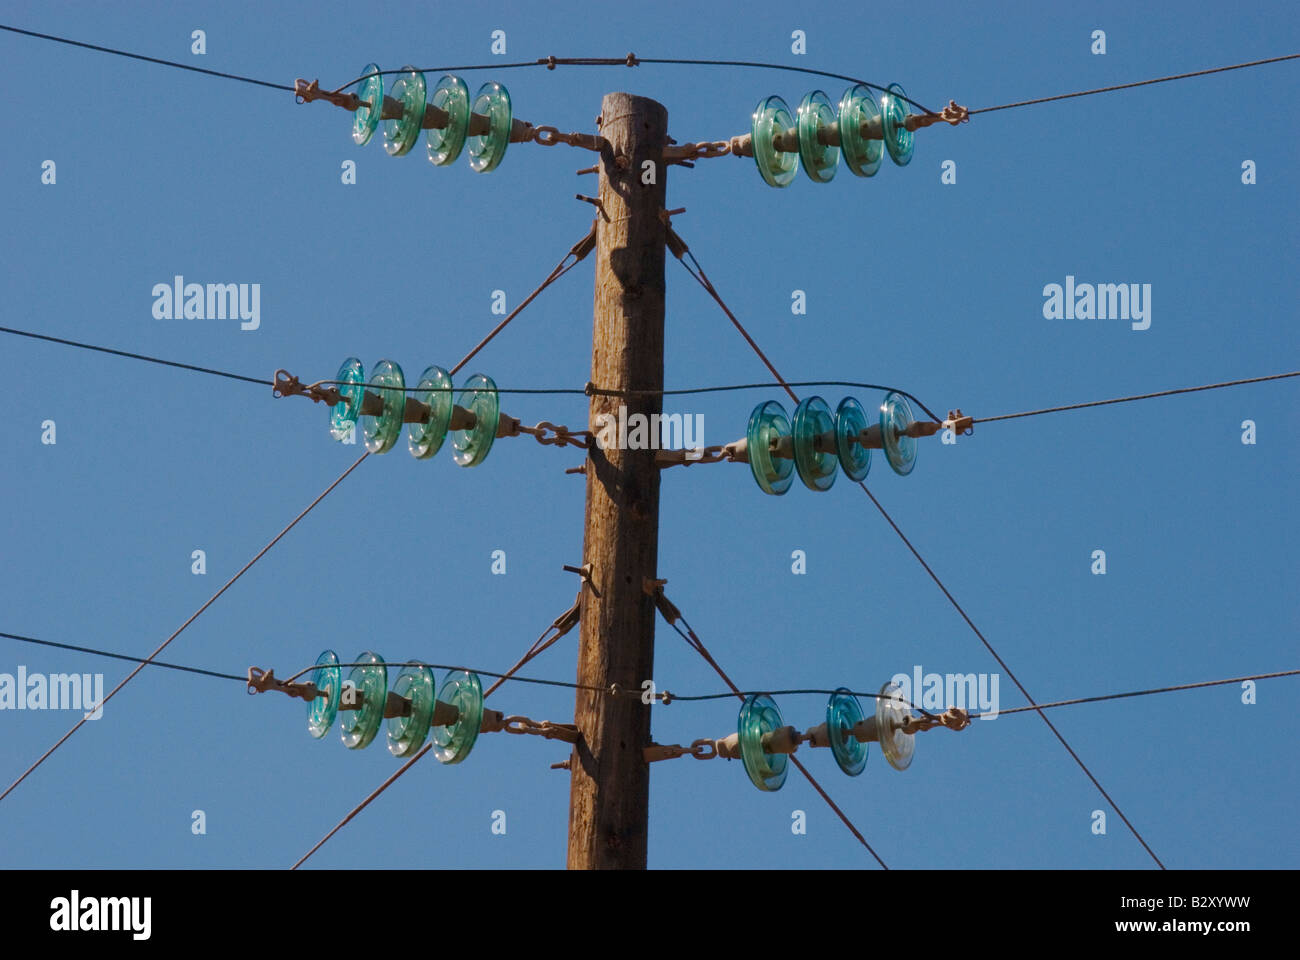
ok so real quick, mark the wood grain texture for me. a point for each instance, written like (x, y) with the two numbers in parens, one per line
(610, 787)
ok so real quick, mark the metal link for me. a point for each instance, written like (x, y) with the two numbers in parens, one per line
(549, 136)
(546, 729)
(683, 152)
(704, 749)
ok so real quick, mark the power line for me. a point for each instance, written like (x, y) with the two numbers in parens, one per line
(939, 583)
(632, 60)
(140, 56)
(1142, 396)
(123, 656)
(211, 600)
(1147, 693)
(1139, 83)
(667, 696)
(136, 356)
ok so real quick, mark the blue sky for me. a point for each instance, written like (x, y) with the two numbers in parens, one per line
(935, 287)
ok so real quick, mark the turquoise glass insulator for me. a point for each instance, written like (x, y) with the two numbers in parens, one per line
(850, 421)
(444, 145)
(401, 134)
(843, 713)
(857, 110)
(820, 160)
(898, 139)
(814, 444)
(407, 734)
(366, 119)
(370, 681)
(769, 427)
(322, 710)
(759, 714)
(382, 431)
(479, 397)
(891, 713)
(772, 119)
(434, 389)
(343, 415)
(895, 417)
(453, 742)
(487, 150)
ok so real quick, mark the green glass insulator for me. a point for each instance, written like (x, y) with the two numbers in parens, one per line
(322, 710)
(366, 119)
(895, 417)
(452, 743)
(814, 444)
(407, 734)
(479, 397)
(487, 150)
(401, 133)
(343, 415)
(382, 431)
(843, 713)
(820, 160)
(891, 714)
(769, 427)
(858, 109)
(850, 421)
(772, 119)
(759, 715)
(898, 139)
(371, 683)
(445, 144)
(434, 389)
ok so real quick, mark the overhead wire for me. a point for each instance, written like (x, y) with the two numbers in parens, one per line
(666, 696)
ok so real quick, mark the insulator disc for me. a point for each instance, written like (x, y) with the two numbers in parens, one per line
(445, 145)
(479, 397)
(768, 424)
(759, 714)
(858, 108)
(401, 134)
(381, 432)
(371, 682)
(772, 117)
(407, 734)
(434, 389)
(452, 743)
(322, 710)
(850, 421)
(898, 139)
(814, 444)
(843, 713)
(343, 415)
(487, 150)
(891, 713)
(366, 119)
(820, 160)
(895, 417)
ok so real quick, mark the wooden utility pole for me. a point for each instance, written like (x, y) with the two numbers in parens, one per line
(609, 795)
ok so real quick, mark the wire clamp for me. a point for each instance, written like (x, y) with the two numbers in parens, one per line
(260, 681)
(305, 92)
(959, 423)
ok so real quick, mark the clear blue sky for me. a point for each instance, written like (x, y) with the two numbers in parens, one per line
(937, 288)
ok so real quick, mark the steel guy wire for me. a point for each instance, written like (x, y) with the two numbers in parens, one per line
(211, 600)
(940, 584)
